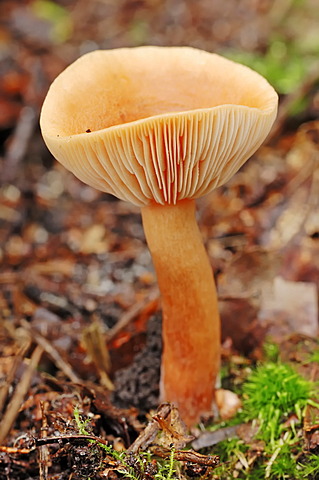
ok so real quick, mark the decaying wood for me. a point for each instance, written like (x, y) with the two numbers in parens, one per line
(148, 435)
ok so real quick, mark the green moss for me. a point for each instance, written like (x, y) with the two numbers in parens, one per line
(274, 398)
(273, 391)
(231, 452)
(310, 470)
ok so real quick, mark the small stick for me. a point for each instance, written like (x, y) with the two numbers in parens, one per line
(10, 377)
(44, 455)
(52, 352)
(12, 410)
(132, 313)
(187, 456)
(12, 450)
(57, 439)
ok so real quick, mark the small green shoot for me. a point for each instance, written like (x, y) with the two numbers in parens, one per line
(168, 469)
(131, 466)
(271, 351)
(80, 423)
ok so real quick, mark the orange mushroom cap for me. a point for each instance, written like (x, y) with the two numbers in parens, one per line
(156, 123)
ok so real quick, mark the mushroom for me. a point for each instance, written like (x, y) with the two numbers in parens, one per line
(160, 127)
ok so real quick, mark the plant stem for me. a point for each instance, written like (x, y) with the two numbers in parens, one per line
(191, 326)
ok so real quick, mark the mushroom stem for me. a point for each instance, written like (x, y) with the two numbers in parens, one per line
(191, 326)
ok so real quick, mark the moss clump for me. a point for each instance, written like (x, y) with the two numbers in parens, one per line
(274, 399)
(272, 392)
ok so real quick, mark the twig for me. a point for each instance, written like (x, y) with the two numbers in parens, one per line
(13, 450)
(44, 456)
(12, 410)
(187, 456)
(64, 438)
(52, 352)
(4, 389)
(132, 313)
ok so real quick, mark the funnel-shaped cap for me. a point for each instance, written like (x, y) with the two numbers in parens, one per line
(156, 123)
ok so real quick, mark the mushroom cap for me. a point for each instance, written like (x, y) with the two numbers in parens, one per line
(156, 124)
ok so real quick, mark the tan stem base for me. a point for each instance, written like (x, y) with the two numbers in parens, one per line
(191, 326)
